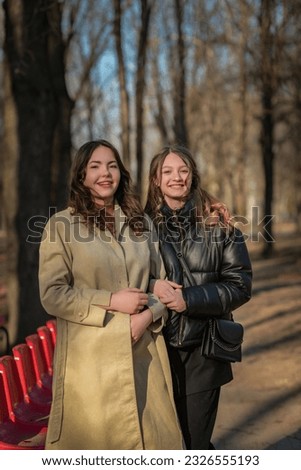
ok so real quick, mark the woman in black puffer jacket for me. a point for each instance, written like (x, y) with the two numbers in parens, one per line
(201, 231)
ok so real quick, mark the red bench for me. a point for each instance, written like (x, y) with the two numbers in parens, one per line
(47, 344)
(43, 377)
(20, 411)
(51, 325)
(16, 436)
(32, 390)
(26, 390)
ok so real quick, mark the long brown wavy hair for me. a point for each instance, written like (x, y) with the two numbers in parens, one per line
(208, 209)
(80, 198)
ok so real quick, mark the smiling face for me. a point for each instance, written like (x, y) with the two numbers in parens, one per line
(102, 176)
(175, 180)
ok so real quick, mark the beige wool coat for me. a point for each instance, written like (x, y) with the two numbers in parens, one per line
(107, 394)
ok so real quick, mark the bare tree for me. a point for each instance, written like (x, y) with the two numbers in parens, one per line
(161, 72)
(237, 39)
(124, 97)
(87, 33)
(39, 142)
(159, 108)
(146, 7)
(180, 128)
(267, 82)
(295, 126)
(9, 169)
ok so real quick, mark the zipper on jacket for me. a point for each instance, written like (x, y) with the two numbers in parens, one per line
(181, 330)
(179, 254)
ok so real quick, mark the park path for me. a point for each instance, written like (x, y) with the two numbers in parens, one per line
(261, 408)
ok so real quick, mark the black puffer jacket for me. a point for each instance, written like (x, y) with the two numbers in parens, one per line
(220, 265)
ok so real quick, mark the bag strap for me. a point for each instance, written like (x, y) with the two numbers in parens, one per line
(183, 263)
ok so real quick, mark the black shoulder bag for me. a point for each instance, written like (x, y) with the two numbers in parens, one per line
(221, 338)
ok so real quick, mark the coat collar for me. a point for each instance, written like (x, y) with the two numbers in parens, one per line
(185, 211)
(119, 216)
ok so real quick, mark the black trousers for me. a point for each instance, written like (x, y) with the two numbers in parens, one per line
(197, 415)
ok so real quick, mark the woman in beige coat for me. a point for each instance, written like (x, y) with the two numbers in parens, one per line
(112, 385)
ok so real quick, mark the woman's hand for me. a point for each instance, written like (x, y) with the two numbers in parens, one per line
(170, 294)
(130, 300)
(139, 323)
(174, 302)
(162, 287)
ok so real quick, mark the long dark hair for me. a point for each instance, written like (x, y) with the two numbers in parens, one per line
(80, 198)
(208, 208)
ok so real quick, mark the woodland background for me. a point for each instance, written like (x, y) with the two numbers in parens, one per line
(220, 76)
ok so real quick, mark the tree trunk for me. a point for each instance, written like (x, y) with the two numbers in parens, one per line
(180, 128)
(140, 87)
(124, 98)
(10, 159)
(35, 53)
(268, 79)
(240, 196)
(266, 141)
(159, 110)
(61, 147)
